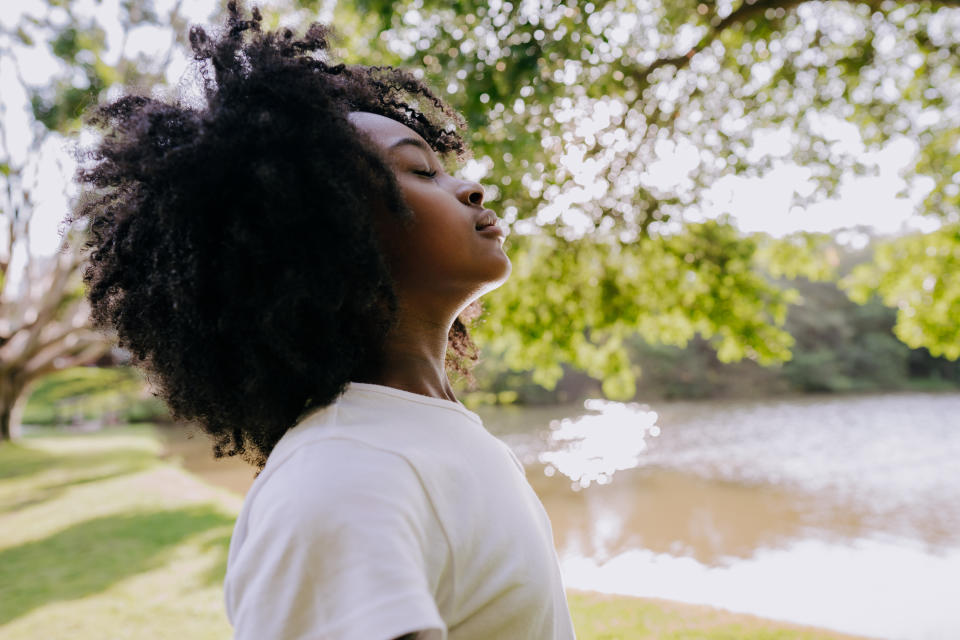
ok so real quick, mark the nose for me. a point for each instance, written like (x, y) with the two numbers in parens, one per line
(470, 193)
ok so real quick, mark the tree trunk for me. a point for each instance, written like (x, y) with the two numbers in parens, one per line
(11, 405)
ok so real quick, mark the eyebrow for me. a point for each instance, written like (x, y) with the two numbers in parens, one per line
(420, 144)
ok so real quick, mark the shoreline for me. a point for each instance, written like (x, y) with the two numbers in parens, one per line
(702, 614)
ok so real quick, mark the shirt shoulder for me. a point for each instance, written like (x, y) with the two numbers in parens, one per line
(338, 539)
(350, 487)
(336, 464)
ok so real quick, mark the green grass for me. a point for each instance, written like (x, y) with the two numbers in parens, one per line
(602, 617)
(100, 538)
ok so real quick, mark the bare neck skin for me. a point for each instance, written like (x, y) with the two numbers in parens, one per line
(415, 352)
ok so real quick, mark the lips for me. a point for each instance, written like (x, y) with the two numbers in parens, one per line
(492, 231)
(487, 218)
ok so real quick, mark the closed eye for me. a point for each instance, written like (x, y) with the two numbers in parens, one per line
(428, 174)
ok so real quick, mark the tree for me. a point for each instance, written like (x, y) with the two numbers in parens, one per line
(568, 104)
(570, 101)
(44, 323)
(918, 276)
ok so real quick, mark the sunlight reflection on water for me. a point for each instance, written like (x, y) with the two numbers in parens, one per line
(593, 447)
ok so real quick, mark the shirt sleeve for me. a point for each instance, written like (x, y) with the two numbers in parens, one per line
(337, 546)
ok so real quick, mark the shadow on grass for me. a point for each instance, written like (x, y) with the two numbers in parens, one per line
(42, 494)
(75, 468)
(220, 546)
(17, 461)
(89, 557)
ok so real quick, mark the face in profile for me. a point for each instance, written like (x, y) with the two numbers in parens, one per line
(443, 253)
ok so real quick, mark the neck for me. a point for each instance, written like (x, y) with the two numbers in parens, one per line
(414, 355)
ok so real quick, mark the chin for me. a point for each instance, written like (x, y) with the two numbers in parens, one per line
(502, 275)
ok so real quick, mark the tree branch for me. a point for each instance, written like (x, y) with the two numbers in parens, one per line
(746, 11)
(741, 15)
(52, 297)
(52, 333)
(84, 352)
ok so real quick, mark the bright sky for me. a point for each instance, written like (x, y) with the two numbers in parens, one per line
(765, 204)
(755, 204)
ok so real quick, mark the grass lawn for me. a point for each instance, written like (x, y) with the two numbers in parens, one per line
(100, 538)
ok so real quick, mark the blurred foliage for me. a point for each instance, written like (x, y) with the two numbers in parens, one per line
(838, 346)
(60, 105)
(85, 70)
(97, 394)
(919, 275)
(813, 256)
(576, 302)
(568, 103)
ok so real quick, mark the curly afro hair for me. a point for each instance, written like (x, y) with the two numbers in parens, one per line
(232, 247)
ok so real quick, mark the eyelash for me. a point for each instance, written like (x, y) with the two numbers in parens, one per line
(428, 174)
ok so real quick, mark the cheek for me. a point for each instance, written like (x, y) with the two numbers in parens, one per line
(436, 217)
(441, 237)
(439, 243)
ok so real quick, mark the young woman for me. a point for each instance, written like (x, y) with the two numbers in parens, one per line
(293, 265)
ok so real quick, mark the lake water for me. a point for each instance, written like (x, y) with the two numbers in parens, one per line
(841, 512)
(838, 512)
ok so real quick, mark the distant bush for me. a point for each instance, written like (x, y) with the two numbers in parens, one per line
(93, 394)
(150, 409)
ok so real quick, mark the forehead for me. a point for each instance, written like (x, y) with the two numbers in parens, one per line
(384, 131)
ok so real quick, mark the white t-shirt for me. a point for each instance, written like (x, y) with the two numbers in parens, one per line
(389, 512)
